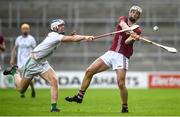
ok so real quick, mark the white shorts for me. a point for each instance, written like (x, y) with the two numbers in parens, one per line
(33, 68)
(115, 60)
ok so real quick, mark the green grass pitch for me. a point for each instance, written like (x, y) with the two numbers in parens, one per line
(97, 102)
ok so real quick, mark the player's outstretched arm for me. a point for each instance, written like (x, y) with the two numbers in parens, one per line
(77, 38)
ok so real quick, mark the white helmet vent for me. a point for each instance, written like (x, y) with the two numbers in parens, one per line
(55, 23)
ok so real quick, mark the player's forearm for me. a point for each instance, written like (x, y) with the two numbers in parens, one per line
(77, 38)
(74, 38)
(12, 58)
(13, 54)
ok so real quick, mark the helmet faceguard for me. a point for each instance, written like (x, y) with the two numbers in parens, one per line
(55, 23)
(137, 9)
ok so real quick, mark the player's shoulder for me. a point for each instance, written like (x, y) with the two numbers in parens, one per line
(53, 34)
(19, 37)
(30, 36)
(123, 18)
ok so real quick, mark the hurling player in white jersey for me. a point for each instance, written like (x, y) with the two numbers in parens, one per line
(24, 44)
(37, 64)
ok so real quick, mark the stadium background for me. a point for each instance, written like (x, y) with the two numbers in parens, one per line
(95, 17)
(150, 66)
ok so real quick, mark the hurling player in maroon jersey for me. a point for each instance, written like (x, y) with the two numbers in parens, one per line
(117, 57)
(2, 44)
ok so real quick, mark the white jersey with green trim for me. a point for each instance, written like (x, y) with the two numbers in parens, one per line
(24, 45)
(47, 46)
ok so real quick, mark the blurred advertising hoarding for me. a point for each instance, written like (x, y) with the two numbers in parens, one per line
(107, 79)
(166, 80)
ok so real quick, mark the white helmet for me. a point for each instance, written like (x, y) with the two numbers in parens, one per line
(55, 23)
(137, 8)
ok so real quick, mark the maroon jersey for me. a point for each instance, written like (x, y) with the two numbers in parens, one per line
(1, 39)
(118, 44)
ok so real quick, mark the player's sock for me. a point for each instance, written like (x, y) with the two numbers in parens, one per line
(22, 95)
(124, 108)
(54, 108)
(81, 94)
(13, 71)
(33, 94)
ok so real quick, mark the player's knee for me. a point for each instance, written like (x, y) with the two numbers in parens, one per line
(54, 82)
(22, 87)
(121, 85)
(89, 72)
